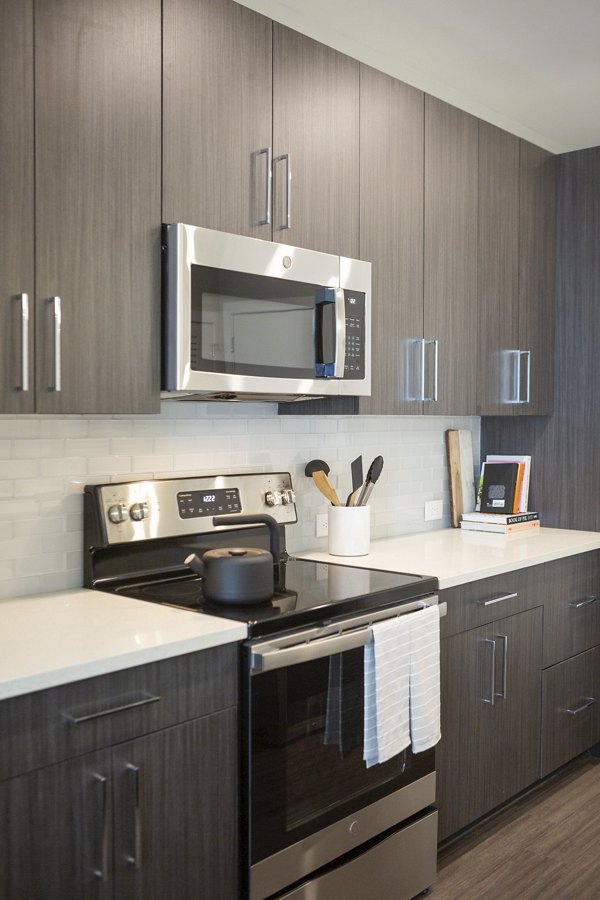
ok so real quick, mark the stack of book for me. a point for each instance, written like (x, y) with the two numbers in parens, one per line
(502, 497)
(499, 523)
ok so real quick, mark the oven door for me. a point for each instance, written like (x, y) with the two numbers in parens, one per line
(311, 797)
(250, 316)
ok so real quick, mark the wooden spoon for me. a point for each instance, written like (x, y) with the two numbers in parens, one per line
(318, 470)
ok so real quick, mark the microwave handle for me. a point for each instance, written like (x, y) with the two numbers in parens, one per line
(340, 334)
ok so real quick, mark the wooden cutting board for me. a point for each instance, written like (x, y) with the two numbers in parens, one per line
(459, 447)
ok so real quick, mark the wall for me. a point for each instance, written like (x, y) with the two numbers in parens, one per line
(45, 461)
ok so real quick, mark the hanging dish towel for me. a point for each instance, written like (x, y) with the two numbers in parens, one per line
(386, 688)
(425, 678)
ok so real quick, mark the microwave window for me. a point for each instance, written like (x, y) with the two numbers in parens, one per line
(252, 324)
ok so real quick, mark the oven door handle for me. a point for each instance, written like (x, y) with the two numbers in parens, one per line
(280, 657)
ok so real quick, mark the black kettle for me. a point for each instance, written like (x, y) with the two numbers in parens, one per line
(239, 575)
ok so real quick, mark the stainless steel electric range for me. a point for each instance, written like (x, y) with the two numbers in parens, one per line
(316, 824)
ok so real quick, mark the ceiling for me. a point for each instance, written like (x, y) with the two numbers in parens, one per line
(529, 66)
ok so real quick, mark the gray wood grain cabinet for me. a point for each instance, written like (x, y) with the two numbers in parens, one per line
(16, 206)
(450, 259)
(260, 128)
(391, 233)
(149, 810)
(490, 748)
(217, 116)
(95, 87)
(315, 145)
(515, 275)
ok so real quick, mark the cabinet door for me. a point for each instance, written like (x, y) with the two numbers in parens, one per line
(537, 223)
(391, 236)
(450, 258)
(16, 205)
(97, 139)
(56, 832)
(498, 269)
(176, 818)
(571, 709)
(217, 116)
(315, 125)
(489, 751)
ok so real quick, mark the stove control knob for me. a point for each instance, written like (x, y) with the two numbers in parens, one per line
(288, 497)
(139, 511)
(118, 513)
(273, 498)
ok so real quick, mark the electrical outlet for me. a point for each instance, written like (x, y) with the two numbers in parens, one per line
(433, 510)
(322, 527)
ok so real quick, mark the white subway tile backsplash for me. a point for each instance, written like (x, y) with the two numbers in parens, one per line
(46, 461)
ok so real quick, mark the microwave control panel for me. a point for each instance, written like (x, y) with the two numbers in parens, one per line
(354, 366)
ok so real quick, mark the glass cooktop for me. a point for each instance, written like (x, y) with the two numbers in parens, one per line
(309, 593)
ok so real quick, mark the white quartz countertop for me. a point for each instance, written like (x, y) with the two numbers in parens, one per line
(52, 639)
(457, 557)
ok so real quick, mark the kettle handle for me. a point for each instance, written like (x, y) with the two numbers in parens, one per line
(195, 563)
(269, 521)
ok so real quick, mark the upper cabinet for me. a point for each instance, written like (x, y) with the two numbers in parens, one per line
(315, 145)
(418, 204)
(450, 261)
(391, 235)
(260, 129)
(537, 255)
(516, 275)
(217, 115)
(95, 221)
(16, 206)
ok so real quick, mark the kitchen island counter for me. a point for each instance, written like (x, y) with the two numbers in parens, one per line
(52, 639)
(457, 557)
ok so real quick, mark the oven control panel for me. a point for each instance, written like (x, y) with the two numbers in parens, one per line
(141, 510)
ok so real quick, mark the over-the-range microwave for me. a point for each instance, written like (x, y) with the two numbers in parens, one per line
(246, 319)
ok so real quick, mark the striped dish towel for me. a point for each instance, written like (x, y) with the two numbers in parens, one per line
(386, 688)
(425, 678)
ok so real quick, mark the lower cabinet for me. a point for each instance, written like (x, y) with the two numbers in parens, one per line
(570, 708)
(490, 748)
(148, 818)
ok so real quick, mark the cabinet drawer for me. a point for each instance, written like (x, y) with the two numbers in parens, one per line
(480, 602)
(571, 589)
(45, 727)
(570, 708)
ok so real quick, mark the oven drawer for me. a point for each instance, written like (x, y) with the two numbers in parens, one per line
(59, 723)
(399, 866)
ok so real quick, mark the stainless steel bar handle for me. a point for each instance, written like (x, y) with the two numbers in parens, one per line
(101, 872)
(266, 220)
(492, 695)
(423, 398)
(496, 599)
(57, 310)
(504, 639)
(435, 369)
(526, 353)
(24, 298)
(288, 190)
(587, 601)
(340, 334)
(97, 714)
(135, 859)
(589, 701)
(309, 645)
(289, 656)
(426, 398)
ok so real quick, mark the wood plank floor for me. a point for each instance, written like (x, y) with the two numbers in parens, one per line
(547, 845)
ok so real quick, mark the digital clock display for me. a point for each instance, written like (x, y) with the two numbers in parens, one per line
(220, 502)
